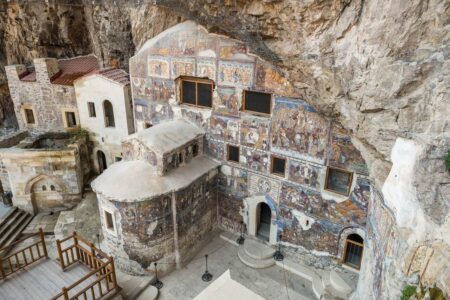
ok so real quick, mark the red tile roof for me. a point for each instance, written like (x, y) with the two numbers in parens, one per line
(73, 68)
(69, 70)
(116, 75)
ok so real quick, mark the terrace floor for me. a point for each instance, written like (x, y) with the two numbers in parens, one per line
(271, 283)
(42, 280)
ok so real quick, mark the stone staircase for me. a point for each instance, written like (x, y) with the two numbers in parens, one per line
(256, 254)
(11, 226)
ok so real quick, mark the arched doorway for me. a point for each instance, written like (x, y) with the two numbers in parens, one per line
(45, 194)
(354, 245)
(109, 114)
(264, 214)
(101, 160)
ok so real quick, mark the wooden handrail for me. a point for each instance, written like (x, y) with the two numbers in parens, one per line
(93, 258)
(20, 241)
(15, 266)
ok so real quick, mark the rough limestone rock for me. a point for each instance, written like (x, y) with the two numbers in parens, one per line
(381, 68)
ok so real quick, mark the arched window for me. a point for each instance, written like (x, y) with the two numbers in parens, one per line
(44, 188)
(109, 114)
(354, 246)
(52, 187)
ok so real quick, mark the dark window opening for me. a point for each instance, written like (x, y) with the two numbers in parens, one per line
(71, 120)
(195, 150)
(109, 221)
(91, 107)
(52, 188)
(180, 158)
(338, 181)
(44, 188)
(197, 92)
(257, 102)
(353, 251)
(233, 153)
(109, 114)
(29, 116)
(278, 165)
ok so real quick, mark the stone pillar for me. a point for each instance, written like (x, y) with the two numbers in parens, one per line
(45, 69)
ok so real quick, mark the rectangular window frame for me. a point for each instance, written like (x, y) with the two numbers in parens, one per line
(256, 112)
(91, 110)
(228, 153)
(273, 157)
(25, 110)
(327, 188)
(196, 81)
(111, 227)
(68, 125)
(344, 258)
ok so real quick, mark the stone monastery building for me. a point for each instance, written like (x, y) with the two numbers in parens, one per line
(201, 135)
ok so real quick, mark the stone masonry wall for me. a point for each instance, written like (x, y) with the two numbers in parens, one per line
(49, 101)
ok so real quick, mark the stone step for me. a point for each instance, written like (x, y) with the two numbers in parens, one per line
(229, 237)
(258, 250)
(252, 262)
(337, 285)
(306, 273)
(7, 216)
(14, 228)
(133, 286)
(150, 293)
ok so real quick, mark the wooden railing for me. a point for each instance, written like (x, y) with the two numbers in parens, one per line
(29, 255)
(100, 283)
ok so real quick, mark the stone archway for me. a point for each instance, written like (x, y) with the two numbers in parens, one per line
(253, 207)
(45, 193)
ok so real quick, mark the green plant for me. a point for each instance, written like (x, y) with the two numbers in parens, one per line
(447, 159)
(408, 291)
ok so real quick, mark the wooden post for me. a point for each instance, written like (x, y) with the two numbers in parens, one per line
(41, 233)
(2, 272)
(65, 294)
(61, 258)
(93, 262)
(114, 279)
(75, 242)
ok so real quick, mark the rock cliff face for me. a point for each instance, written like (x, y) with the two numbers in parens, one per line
(381, 68)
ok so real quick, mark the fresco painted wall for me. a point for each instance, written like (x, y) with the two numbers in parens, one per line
(294, 131)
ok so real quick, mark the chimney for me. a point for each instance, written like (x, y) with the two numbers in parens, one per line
(45, 68)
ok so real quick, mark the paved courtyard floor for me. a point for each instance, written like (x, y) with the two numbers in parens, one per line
(270, 283)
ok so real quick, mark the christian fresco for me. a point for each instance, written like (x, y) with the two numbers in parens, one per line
(255, 160)
(343, 153)
(225, 129)
(227, 102)
(298, 129)
(183, 67)
(255, 132)
(303, 173)
(235, 74)
(158, 67)
(206, 68)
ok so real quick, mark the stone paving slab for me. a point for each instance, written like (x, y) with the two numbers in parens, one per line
(46, 221)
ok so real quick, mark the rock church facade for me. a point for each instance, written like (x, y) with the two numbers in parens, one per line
(286, 173)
